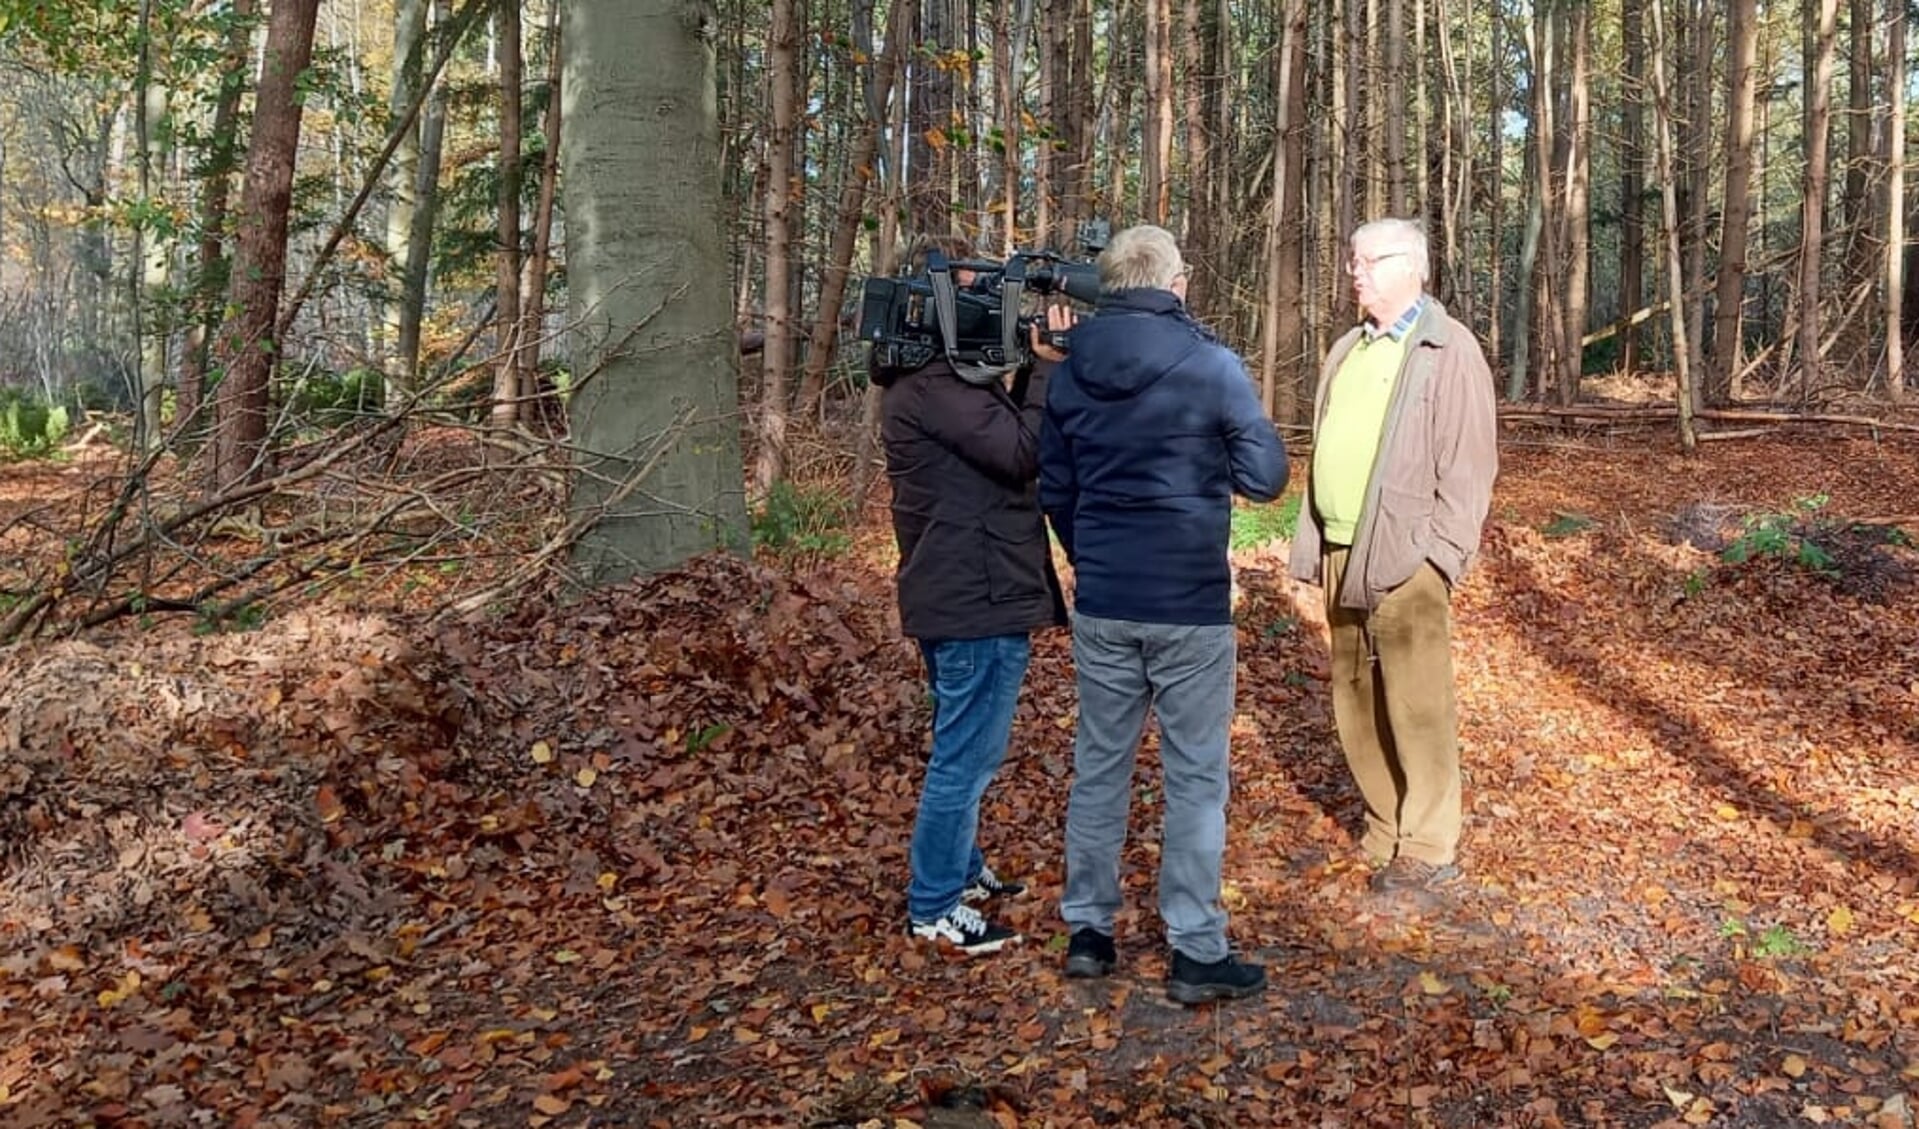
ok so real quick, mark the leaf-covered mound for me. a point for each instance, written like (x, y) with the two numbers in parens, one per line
(640, 860)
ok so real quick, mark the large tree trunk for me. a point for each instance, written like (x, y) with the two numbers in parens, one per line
(403, 175)
(247, 347)
(506, 380)
(655, 399)
(777, 358)
(1742, 31)
(1813, 212)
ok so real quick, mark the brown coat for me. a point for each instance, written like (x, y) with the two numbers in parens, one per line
(1432, 481)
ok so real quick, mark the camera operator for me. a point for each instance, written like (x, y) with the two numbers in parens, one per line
(975, 579)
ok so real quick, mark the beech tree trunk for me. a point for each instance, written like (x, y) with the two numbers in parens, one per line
(247, 347)
(655, 400)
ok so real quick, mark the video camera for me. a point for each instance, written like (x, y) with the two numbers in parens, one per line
(981, 327)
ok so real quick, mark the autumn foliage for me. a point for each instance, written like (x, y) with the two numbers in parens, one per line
(640, 860)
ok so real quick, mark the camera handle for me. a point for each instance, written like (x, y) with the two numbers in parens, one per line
(946, 312)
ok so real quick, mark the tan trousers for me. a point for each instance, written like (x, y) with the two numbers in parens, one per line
(1398, 721)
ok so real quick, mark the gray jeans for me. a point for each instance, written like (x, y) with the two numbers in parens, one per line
(1185, 674)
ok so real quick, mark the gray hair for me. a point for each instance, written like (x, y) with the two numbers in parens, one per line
(1141, 257)
(1405, 235)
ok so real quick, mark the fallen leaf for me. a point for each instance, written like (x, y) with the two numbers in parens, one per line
(542, 752)
(1839, 921)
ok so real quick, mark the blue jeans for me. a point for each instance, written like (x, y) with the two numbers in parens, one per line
(975, 687)
(1186, 676)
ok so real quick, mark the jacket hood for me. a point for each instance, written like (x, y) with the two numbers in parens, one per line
(1134, 338)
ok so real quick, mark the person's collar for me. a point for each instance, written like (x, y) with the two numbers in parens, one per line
(1142, 299)
(1401, 326)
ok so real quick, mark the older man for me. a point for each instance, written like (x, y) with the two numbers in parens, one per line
(1404, 455)
(1151, 427)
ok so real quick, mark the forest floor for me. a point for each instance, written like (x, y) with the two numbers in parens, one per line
(640, 860)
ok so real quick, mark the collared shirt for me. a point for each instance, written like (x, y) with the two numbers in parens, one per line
(1399, 329)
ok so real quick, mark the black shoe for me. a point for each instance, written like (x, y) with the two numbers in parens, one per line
(1089, 954)
(1228, 978)
(989, 885)
(964, 929)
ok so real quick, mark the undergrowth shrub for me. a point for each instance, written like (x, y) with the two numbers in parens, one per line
(29, 426)
(799, 522)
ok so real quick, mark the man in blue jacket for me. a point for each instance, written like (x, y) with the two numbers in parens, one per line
(1151, 427)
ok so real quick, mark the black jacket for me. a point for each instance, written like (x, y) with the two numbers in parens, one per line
(963, 459)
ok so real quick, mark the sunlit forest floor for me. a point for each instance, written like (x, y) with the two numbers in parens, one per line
(640, 860)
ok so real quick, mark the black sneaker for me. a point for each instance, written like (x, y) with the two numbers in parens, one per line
(966, 930)
(1228, 978)
(1089, 954)
(990, 885)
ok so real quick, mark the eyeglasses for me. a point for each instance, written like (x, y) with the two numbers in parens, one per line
(1364, 264)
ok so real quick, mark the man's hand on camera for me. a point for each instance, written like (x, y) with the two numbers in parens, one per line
(1059, 319)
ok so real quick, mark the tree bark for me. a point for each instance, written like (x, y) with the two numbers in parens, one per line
(1397, 174)
(211, 275)
(1282, 351)
(1632, 181)
(403, 176)
(533, 285)
(1895, 161)
(777, 358)
(1742, 32)
(248, 348)
(426, 193)
(1669, 201)
(1199, 212)
(1813, 210)
(1157, 153)
(655, 390)
(1576, 231)
(506, 380)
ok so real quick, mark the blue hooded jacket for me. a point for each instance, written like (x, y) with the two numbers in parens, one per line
(1151, 427)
